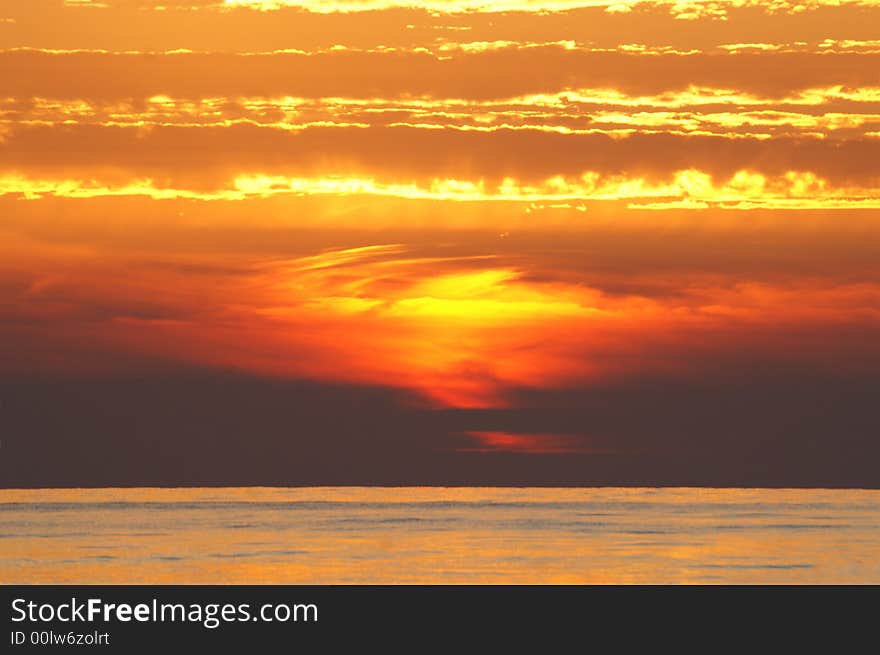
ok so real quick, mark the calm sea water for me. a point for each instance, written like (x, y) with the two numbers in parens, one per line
(439, 535)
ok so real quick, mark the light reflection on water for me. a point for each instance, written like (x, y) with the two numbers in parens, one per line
(439, 535)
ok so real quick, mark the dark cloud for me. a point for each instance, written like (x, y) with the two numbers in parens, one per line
(201, 428)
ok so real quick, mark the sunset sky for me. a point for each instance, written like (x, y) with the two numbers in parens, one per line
(523, 241)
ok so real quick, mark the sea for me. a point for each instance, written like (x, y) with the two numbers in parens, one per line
(428, 535)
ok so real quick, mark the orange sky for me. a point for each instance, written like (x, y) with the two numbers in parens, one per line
(456, 199)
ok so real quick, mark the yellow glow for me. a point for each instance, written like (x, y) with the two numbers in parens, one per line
(583, 111)
(689, 188)
(680, 9)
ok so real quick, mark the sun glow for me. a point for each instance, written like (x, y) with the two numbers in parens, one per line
(689, 188)
(446, 203)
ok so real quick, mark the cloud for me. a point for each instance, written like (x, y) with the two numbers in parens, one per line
(816, 113)
(494, 74)
(231, 429)
(202, 25)
(213, 158)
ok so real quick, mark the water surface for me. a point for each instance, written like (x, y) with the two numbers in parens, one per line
(439, 535)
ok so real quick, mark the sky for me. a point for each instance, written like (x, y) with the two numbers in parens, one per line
(439, 241)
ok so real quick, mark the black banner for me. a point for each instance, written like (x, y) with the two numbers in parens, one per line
(287, 618)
